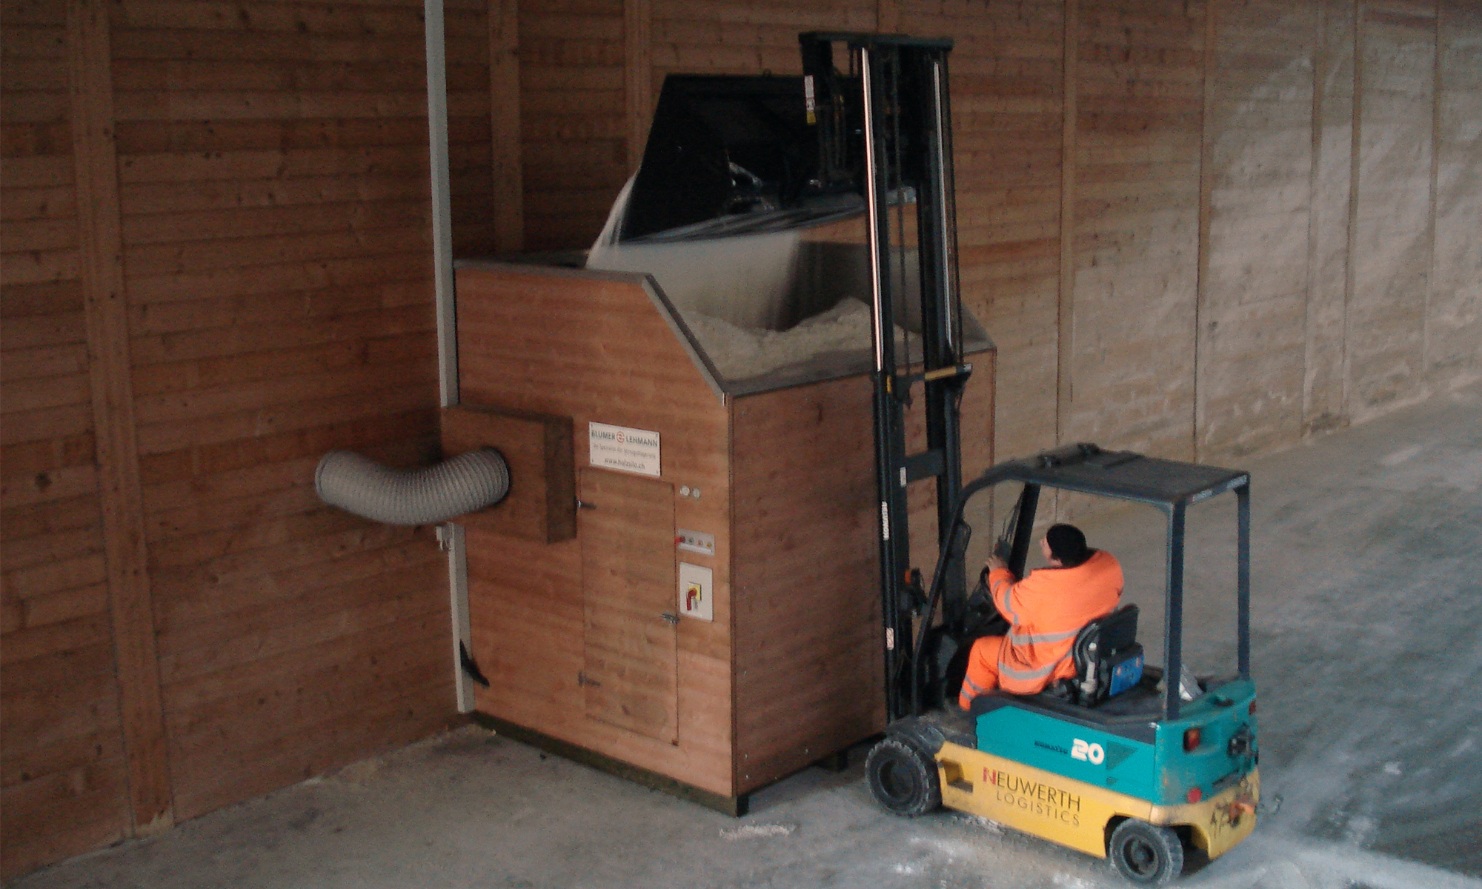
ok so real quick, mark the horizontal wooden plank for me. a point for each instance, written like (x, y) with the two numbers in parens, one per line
(144, 138)
(70, 515)
(77, 702)
(46, 424)
(211, 15)
(305, 413)
(362, 728)
(205, 75)
(21, 203)
(303, 574)
(34, 40)
(54, 638)
(377, 654)
(264, 394)
(277, 701)
(258, 47)
(305, 622)
(24, 463)
(27, 487)
(390, 161)
(39, 267)
(65, 814)
(243, 105)
(396, 272)
(142, 202)
(216, 342)
(45, 392)
(307, 219)
(21, 763)
(187, 257)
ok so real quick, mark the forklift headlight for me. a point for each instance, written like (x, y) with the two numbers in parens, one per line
(1192, 737)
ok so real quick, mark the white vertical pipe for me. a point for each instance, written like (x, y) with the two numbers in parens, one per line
(451, 535)
(453, 542)
(442, 213)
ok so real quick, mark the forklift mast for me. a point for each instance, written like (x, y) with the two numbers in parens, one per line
(884, 132)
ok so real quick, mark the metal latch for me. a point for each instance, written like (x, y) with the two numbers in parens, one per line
(470, 666)
(670, 618)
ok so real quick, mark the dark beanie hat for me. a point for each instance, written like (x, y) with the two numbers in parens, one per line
(1067, 544)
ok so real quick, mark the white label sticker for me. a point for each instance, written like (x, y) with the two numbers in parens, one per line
(628, 450)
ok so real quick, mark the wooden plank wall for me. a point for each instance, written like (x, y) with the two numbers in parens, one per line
(474, 124)
(574, 131)
(1454, 336)
(1008, 125)
(216, 268)
(1392, 236)
(1136, 183)
(1177, 219)
(259, 291)
(272, 161)
(63, 767)
(1254, 251)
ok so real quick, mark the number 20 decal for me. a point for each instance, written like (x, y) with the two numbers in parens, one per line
(1092, 753)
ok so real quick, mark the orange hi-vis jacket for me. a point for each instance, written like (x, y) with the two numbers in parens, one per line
(1045, 612)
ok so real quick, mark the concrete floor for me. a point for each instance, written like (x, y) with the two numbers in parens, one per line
(1367, 606)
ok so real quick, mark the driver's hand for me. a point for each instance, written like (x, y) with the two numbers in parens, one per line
(995, 562)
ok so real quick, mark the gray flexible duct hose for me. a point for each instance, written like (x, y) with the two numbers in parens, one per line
(421, 496)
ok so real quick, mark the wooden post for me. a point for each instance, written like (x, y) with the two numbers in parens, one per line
(638, 66)
(1065, 307)
(1437, 106)
(1355, 145)
(1206, 189)
(504, 126)
(141, 709)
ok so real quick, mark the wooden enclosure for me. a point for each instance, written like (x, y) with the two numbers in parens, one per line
(1196, 227)
(787, 668)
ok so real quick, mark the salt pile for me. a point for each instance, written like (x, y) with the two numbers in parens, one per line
(756, 304)
(741, 353)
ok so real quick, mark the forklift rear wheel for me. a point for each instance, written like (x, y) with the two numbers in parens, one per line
(903, 779)
(1146, 854)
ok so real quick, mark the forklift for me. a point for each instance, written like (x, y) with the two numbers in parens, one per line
(1125, 760)
(1133, 762)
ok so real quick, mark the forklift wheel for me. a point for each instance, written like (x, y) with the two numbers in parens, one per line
(903, 779)
(1146, 854)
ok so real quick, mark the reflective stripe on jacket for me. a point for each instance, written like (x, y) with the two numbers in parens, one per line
(1045, 612)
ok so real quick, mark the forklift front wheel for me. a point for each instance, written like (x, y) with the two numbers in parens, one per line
(1145, 854)
(903, 779)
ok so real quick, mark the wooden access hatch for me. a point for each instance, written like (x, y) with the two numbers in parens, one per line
(630, 622)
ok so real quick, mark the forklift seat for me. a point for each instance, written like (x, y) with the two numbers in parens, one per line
(1108, 658)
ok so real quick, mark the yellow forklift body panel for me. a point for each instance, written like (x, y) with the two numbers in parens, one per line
(1076, 814)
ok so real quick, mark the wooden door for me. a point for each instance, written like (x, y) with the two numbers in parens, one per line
(630, 672)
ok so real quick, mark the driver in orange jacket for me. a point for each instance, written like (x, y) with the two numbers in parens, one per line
(1045, 611)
